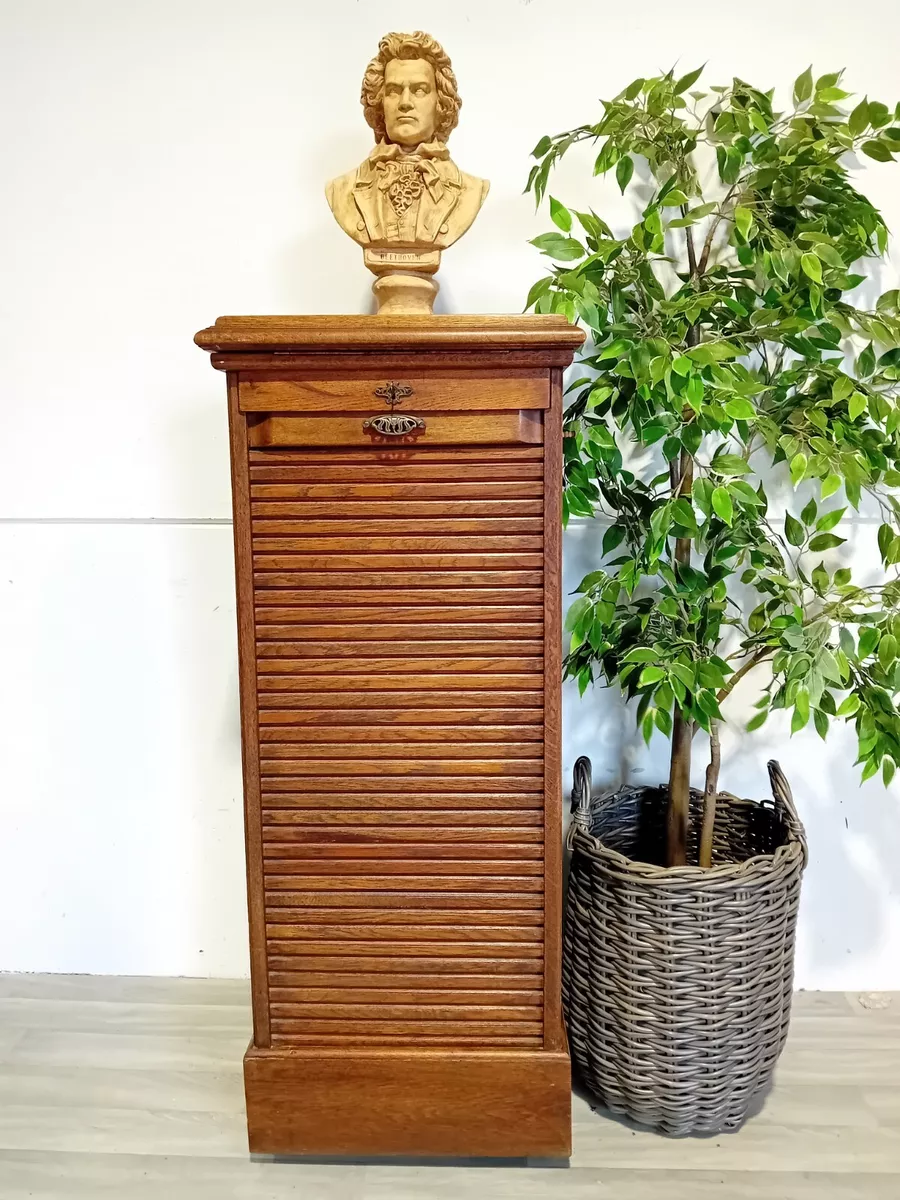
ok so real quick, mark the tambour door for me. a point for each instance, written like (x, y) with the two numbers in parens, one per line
(398, 610)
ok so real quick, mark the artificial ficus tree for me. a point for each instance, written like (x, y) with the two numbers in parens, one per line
(732, 337)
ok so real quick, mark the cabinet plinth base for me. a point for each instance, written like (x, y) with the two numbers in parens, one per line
(455, 1103)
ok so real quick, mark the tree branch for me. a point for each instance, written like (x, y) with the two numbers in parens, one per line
(759, 657)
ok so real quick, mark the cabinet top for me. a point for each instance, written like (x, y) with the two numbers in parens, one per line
(303, 334)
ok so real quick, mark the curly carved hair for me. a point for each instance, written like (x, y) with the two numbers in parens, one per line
(410, 46)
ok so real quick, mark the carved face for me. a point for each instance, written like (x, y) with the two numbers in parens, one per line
(410, 101)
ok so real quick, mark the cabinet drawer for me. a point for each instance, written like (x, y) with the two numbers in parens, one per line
(395, 429)
(460, 391)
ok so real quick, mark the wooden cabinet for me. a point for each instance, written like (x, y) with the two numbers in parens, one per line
(397, 540)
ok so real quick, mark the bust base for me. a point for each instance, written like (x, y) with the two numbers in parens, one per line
(405, 293)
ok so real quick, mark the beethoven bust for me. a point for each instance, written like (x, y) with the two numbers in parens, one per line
(408, 193)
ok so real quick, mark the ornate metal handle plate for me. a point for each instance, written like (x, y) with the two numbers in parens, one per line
(393, 393)
(393, 424)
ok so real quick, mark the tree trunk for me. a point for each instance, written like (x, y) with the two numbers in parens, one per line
(709, 797)
(679, 793)
(682, 729)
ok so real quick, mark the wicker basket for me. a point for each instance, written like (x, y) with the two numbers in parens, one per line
(677, 981)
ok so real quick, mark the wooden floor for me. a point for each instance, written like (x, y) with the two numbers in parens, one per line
(165, 1117)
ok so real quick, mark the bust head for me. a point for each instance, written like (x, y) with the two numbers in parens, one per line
(409, 91)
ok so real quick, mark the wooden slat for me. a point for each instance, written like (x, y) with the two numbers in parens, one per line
(289, 1014)
(420, 934)
(426, 470)
(471, 720)
(452, 875)
(419, 543)
(504, 617)
(445, 508)
(309, 525)
(396, 455)
(416, 785)
(377, 1029)
(335, 768)
(344, 735)
(476, 678)
(410, 632)
(286, 969)
(387, 919)
(286, 947)
(356, 603)
(405, 808)
(394, 586)
(285, 998)
(423, 818)
(291, 846)
(362, 653)
(386, 561)
(472, 490)
(446, 702)
(375, 901)
(361, 1042)
(449, 746)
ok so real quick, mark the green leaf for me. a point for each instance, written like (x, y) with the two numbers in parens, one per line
(538, 289)
(730, 464)
(808, 514)
(841, 388)
(682, 365)
(811, 267)
(624, 171)
(803, 86)
(561, 248)
(868, 640)
(857, 405)
(560, 215)
(641, 654)
(825, 541)
(740, 409)
(633, 89)
(821, 723)
(887, 650)
(830, 484)
(685, 81)
(799, 463)
(743, 219)
(542, 147)
(848, 706)
(722, 504)
(865, 364)
(859, 118)
(651, 675)
(887, 770)
(885, 540)
(877, 150)
(869, 769)
(758, 721)
(828, 520)
(793, 530)
(613, 537)
(801, 710)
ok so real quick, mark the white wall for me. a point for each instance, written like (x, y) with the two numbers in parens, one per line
(163, 164)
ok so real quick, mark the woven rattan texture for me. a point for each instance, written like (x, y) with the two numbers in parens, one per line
(677, 982)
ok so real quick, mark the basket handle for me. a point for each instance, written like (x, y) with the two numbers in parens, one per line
(581, 791)
(785, 806)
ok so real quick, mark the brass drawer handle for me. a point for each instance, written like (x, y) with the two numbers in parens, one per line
(393, 424)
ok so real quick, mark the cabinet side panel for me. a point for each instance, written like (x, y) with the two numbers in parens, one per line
(243, 560)
(554, 1038)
